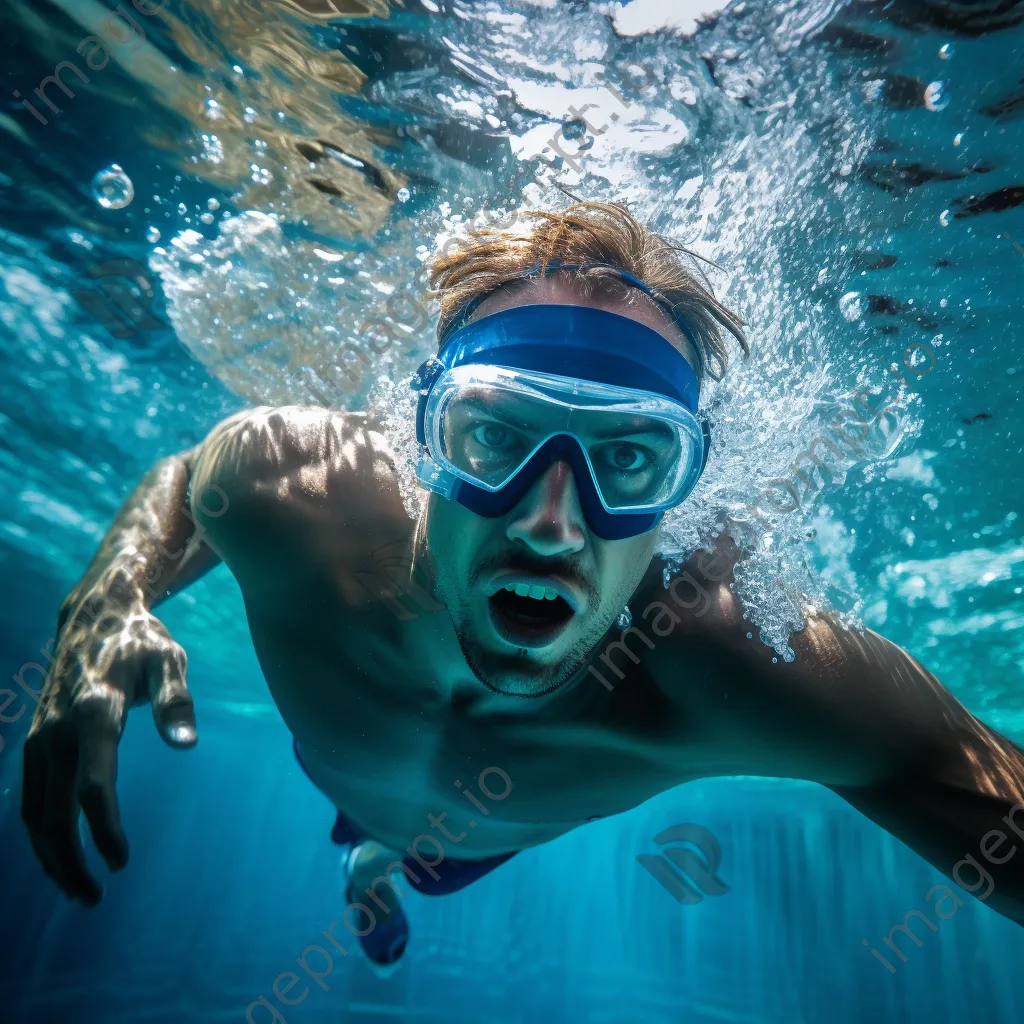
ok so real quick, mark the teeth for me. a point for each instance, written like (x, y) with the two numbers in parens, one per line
(538, 593)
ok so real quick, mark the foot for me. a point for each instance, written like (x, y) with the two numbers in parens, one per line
(388, 933)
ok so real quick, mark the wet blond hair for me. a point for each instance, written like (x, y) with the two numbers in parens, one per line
(586, 232)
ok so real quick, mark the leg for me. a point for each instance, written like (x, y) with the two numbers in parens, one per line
(369, 884)
(368, 863)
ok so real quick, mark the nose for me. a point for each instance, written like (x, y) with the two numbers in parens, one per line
(549, 518)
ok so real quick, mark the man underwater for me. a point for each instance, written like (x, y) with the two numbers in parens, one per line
(557, 424)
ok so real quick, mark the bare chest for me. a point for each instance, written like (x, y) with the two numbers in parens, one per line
(397, 736)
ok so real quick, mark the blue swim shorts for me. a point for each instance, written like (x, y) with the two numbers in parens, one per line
(452, 874)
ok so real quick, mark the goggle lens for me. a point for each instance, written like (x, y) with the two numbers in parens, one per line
(489, 429)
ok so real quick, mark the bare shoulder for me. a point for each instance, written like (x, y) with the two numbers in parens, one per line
(266, 471)
(847, 703)
(696, 599)
(295, 447)
(697, 608)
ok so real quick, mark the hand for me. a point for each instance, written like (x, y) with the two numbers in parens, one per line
(111, 655)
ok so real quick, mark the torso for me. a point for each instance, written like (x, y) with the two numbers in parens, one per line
(387, 741)
(368, 676)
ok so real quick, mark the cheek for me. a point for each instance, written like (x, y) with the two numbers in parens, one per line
(625, 562)
(454, 534)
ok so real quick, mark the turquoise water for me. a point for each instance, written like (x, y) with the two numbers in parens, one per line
(854, 171)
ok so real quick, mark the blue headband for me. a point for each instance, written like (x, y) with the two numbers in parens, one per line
(574, 341)
(552, 265)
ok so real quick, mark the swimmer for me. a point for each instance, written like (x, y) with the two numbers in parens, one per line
(462, 677)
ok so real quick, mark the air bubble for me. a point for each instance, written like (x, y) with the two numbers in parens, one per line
(935, 96)
(944, 218)
(403, 195)
(851, 307)
(112, 188)
(152, 234)
(182, 208)
(212, 204)
(946, 51)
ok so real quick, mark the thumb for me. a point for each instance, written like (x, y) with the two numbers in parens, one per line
(173, 711)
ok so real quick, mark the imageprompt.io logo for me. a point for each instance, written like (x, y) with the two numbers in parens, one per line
(688, 870)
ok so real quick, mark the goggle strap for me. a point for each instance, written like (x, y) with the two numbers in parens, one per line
(706, 431)
(422, 381)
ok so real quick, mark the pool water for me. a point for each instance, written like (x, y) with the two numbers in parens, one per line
(236, 206)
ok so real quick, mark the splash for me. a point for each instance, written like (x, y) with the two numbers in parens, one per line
(283, 320)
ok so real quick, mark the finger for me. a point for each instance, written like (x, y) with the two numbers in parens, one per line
(46, 859)
(173, 710)
(46, 862)
(61, 844)
(33, 783)
(33, 791)
(98, 736)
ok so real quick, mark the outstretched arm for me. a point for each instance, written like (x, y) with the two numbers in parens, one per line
(153, 548)
(923, 767)
(955, 793)
(110, 655)
(859, 715)
(263, 492)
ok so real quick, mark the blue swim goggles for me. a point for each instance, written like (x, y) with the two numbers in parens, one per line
(523, 388)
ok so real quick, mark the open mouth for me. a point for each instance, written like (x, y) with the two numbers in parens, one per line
(529, 616)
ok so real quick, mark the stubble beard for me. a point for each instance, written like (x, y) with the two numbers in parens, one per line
(518, 675)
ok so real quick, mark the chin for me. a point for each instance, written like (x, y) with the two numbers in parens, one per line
(519, 672)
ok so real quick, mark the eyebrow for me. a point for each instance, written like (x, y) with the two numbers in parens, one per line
(492, 409)
(624, 431)
(624, 427)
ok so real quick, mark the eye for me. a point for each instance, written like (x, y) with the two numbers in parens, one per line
(490, 435)
(626, 458)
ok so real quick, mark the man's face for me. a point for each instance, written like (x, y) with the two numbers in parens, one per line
(567, 585)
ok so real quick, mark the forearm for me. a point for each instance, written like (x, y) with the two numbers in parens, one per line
(964, 814)
(956, 796)
(153, 549)
(111, 655)
(921, 765)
